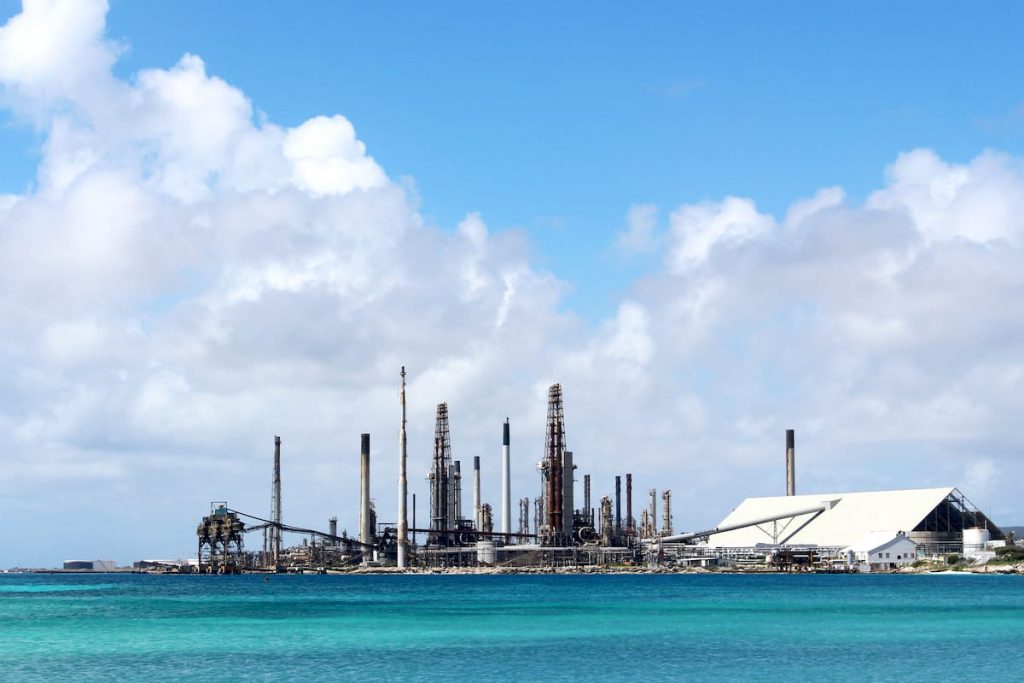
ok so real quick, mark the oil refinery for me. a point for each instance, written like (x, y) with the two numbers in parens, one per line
(862, 531)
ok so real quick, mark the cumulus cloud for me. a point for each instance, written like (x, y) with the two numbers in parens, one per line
(639, 235)
(187, 279)
(697, 230)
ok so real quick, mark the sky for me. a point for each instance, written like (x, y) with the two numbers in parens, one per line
(221, 222)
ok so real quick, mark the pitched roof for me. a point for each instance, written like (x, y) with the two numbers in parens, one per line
(851, 517)
(878, 540)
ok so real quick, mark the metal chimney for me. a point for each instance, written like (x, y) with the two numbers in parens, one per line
(403, 486)
(790, 462)
(477, 522)
(567, 493)
(629, 503)
(506, 491)
(275, 513)
(618, 504)
(365, 528)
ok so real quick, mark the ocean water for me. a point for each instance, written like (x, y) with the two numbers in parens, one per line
(511, 628)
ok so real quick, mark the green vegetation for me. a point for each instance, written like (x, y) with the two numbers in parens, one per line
(1010, 554)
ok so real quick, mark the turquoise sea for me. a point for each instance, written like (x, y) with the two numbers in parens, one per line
(503, 628)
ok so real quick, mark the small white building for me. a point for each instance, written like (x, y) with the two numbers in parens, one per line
(881, 551)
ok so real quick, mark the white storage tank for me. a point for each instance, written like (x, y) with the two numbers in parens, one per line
(485, 552)
(975, 539)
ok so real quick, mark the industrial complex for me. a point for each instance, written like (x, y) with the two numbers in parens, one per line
(855, 531)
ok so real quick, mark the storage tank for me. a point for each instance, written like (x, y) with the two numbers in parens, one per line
(485, 552)
(975, 539)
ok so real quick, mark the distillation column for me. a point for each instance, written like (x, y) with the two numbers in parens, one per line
(440, 522)
(666, 513)
(553, 453)
(653, 513)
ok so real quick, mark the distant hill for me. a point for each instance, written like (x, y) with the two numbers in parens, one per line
(1018, 531)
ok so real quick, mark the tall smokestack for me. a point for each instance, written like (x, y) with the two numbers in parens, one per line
(506, 491)
(790, 462)
(618, 504)
(567, 491)
(629, 502)
(403, 487)
(276, 503)
(476, 493)
(365, 529)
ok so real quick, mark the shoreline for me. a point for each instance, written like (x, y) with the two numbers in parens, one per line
(984, 570)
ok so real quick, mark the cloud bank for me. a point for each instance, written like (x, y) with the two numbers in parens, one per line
(186, 279)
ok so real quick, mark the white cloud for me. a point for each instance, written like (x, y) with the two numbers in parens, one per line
(327, 158)
(698, 229)
(54, 50)
(980, 201)
(188, 279)
(641, 222)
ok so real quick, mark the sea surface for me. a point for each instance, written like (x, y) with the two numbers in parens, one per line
(511, 628)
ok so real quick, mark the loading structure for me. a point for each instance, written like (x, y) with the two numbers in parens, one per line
(220, 536)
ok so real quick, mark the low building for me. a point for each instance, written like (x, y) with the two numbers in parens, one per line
(90, 565)
(881, 551)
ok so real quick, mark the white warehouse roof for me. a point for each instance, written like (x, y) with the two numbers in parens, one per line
(848, 518)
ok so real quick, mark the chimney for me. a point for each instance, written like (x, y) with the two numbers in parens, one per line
(506, 491)
(618, 504)
(365, 525)
(790, 462)
(476, 493)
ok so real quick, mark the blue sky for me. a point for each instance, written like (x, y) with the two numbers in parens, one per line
(710, 222)
(555, 118)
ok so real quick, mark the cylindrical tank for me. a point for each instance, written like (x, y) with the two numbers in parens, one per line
(976, 539)
(485, 552)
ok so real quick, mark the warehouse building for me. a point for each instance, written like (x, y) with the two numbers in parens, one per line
(934, 519)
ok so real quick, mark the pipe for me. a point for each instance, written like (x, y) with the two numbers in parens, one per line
(506, 491)
(680, 538)
(790, 462)
(365, 530)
